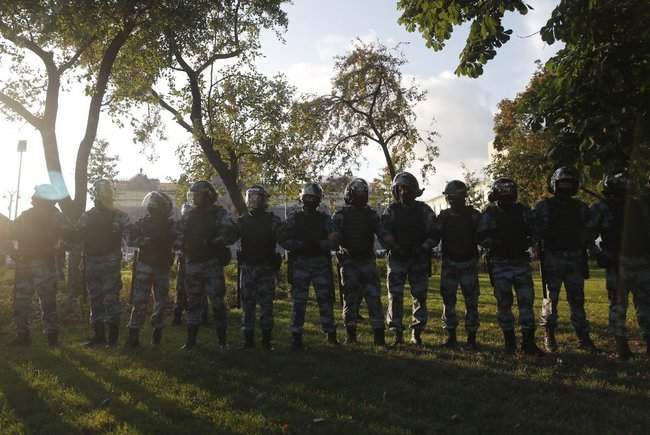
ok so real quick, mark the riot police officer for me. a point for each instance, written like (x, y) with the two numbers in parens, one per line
(154, 236)
(561, 231)
(308, 235)
(623, 223)
(506, 231)
(258, 264)
(409, 233)
(203, 234)
(102, 229)
(457, 226)
(356, 225)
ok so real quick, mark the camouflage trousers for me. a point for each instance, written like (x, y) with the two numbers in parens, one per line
(316, 270)
(564, 268)
(416, 270)
(35, 275)
(632, 275)
(507, 274)
(149, 280)
(180, 304)
(465, 275)
(257, 287)
(360, 280)
(104, 282)
(205, 279)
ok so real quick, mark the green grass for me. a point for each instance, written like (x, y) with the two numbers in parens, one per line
(323, 390)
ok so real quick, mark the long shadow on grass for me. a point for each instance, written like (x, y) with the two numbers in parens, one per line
(360, 390)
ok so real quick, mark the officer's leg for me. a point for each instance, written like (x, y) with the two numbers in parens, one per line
(112, 287)
(418, 276)
(553, 275)
(181, 296)
(449, 280)
(471, 291)
(248, 284)
(525, 298)
(324, 287)
(397, 271)
(216, 290)
(371, 289)
(141, 289)
(574, 282)
(641, 297)
(95, 286)
(24, 290)
(299, 292)
(160, 297)
(45, 283)
(502, 278)
(350, 277)
(265, 296)
(195, 288)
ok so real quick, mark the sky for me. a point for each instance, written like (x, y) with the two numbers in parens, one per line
(461, 109)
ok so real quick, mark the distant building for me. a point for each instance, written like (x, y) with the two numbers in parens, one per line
(130, 193)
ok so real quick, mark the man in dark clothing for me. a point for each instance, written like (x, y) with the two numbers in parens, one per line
(308, 235)
(154, 236)
(457, 226)
(356, 225)
(258, 264)
(409, 233)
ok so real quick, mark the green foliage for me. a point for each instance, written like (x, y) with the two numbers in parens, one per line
(100, 164)
(436, 19)
(475, 188)
(371, 103)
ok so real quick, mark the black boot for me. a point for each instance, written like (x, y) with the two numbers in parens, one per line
(266, 339)
(622, 349)
(416, 337)
(510, 341)
(156, 336)
(351, 332)
(528, 343)
(113, 333)
(23, 339)
(379, 337)
(452, 341)
(221, 338)
(550, 344)
(586, 343)
(190, 341)
(134, 338)
(296, 341)
(177, 320)
(100, 335)
(53, 339)
(331, 338)
(471, 340)
(249, 340)
(399, 337)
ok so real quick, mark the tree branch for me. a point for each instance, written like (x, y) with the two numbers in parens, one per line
(177, 116)
(21, 110)
(75, 57)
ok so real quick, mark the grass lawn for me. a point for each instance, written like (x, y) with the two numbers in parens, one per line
(323, 390)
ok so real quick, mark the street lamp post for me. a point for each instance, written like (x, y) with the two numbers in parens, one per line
(22, 147)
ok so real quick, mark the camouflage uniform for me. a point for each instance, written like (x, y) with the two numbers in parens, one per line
(459, 265)
(155, 238)
(102, 231)
(561, 227)
(507, 233)
(204, 262)
(258, 267)
(38, 231)
(409, 232)
(627, 259)
(308, 236)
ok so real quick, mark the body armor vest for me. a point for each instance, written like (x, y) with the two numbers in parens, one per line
(258, 239)
(159, 251)
(200, 228)
(36, 235)
(512, 232)
(358, 236)
(410, 230)
(100, 236)
(459, 241)
(310, 227)
(566, 226)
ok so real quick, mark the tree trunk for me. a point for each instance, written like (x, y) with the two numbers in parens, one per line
(389, 160)
(228, 176)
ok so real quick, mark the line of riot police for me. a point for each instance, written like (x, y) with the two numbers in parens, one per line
(560, 231)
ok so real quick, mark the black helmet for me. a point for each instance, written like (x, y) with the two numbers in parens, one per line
(203, 188)
(616, 183)
(357, 189)
(503, 188)
(455, 188)
(565, 181)
(254, 191)
(406, 179)
(157, 203)
(312, 189)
